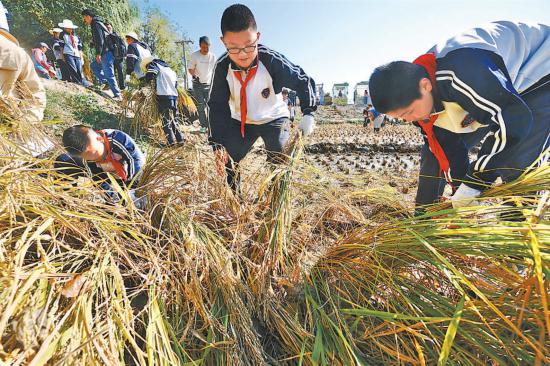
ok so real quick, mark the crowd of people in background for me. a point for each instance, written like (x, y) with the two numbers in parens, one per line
(116, 59)
(111, 52)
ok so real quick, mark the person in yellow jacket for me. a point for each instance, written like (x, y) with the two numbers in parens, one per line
(18, 79)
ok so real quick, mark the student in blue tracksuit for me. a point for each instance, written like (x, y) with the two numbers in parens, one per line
(57, 48)
(71, 51)
(490, 82)
(245, 100)
(136, 52)
(93, 154)
(376, 118)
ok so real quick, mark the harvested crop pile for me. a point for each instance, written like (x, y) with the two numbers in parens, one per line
(301, 270)
(141, 104)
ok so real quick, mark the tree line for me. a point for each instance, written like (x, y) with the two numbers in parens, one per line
(32, 19)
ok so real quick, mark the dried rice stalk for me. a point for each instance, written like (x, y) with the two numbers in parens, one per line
(304, 271)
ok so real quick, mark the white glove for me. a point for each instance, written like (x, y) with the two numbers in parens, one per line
(307, 124)
(464, 196)
(139, 202)
(128, 77)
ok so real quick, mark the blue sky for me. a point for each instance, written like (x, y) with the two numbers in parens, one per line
(344, 40)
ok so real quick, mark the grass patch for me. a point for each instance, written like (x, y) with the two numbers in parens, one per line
(78, 108)
(65, 109)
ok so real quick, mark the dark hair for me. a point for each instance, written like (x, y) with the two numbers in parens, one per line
(89, 12)
(237, 18)
(108, 23)
(75, 139)
(284, 91)
(395, 85)
(204, 39)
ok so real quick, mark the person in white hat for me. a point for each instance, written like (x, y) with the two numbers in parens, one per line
(137, 51)
(16, 67)
(167, 96)
(71, 51)
(43, 69)
(58, 53)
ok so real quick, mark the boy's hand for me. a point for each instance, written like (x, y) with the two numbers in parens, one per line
(464, 196)
(222, 158)
(139, 202)
(98, 58)
(307, 124)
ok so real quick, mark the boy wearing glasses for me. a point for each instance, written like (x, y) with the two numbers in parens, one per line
(245, 100)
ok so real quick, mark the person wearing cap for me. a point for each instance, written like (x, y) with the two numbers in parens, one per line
(104, 54)
(167, 96)
(16, 67)
(136, 52)
(201, 65)
(58, 53)
(43, 69)
(71, 51)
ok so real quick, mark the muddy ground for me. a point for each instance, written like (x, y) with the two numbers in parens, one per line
(343, 148)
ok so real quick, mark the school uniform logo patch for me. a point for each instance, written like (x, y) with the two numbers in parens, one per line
(266, 92)
(468, 120)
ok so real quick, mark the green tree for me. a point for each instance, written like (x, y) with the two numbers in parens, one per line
(161, 35)
(32, 19)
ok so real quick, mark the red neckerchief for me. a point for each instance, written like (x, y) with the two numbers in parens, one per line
(71, 34)
(427, 61)
(251, 73)
(119, 168)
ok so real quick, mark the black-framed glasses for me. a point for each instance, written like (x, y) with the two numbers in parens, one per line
(247, 49)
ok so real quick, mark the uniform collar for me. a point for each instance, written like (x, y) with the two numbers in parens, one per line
(429, 63)
(438, 105)
(234, 66)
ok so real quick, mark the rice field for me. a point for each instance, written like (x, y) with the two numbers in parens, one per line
(311, 266)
